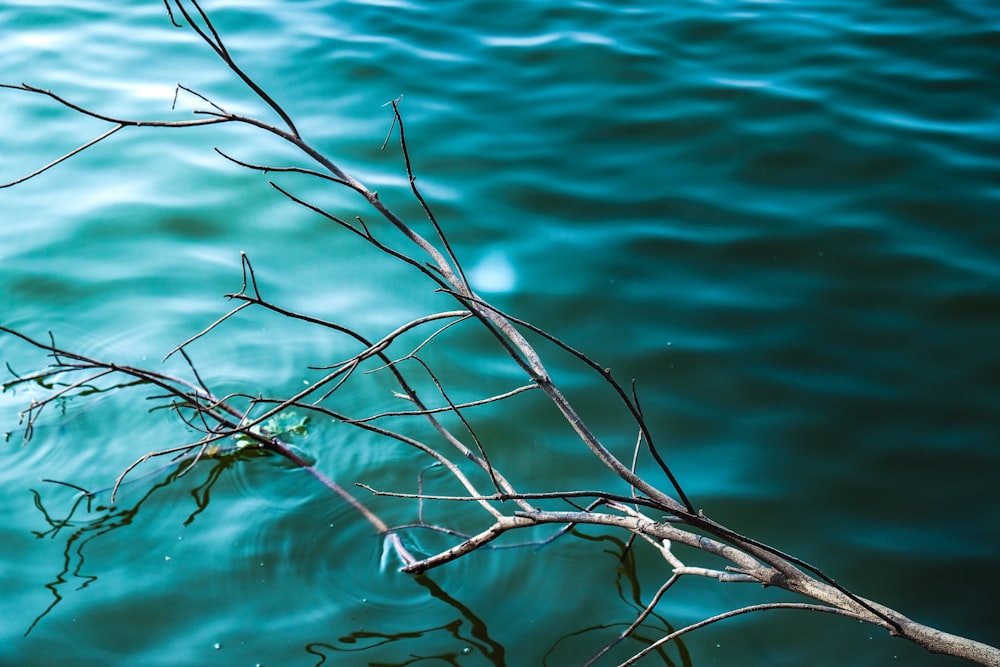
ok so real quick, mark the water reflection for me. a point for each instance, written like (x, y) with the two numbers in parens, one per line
(466, 637)
(88, 518)
(629, 591)
(469, 632)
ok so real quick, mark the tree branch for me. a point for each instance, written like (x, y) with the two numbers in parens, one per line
(218, 418)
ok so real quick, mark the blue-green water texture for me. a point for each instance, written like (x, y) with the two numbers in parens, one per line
(782, 218)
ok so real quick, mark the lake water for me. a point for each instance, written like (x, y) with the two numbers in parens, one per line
(781, 218)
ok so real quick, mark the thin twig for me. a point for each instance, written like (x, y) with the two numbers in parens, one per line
(64, 157)
(643, 615)
(398, 120)
(461, 406)
(207, 329)
(737, 612)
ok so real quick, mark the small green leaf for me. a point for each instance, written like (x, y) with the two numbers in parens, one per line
(280, 425)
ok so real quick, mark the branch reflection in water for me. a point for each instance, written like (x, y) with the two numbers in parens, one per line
(91, 515)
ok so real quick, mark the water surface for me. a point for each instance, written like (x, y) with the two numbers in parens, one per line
(780, 218)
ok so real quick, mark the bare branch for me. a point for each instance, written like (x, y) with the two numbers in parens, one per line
(398, 120)
(124, 122)
(602, 496)
(267, 169)
(461, 406)
(207, 329)
(730, 614)
(63, 158)
(215, 41)
(649, 514)
(637, 622)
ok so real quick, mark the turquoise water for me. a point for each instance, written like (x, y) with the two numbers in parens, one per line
(779, 217)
